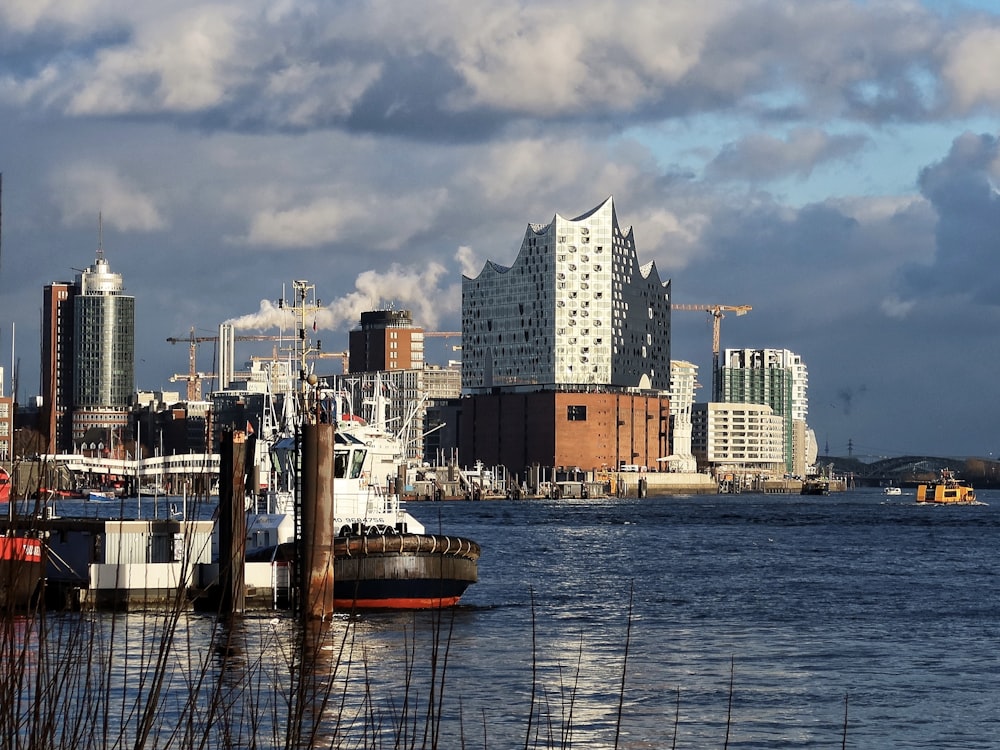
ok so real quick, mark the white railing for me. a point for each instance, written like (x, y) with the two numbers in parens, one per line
(151, 468)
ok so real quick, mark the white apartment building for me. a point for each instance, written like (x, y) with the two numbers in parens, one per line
(738, 436)
(779, 379)
(683, 383)
(575, 311)
(776, 377)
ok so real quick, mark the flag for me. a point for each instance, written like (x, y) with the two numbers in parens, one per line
(249, 428)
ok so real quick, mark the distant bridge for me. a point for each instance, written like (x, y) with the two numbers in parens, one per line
(913, 469)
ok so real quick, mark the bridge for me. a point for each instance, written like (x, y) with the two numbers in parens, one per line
(909, 470)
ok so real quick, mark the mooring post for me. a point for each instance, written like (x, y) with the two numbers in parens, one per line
(232, 522)
(317, 520)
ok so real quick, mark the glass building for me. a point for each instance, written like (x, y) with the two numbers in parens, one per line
(103, 350)
(575, 311)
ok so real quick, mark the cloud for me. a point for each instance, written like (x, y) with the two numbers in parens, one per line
(971, 54)
(368, 221)
(83, 190)
(960, 189)
(896, 308)
(492, 68)
(178, 64)
(470, 264)
(366, 146)
(761, 157)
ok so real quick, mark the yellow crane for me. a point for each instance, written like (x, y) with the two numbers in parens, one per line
(344, 357)
(718, 312)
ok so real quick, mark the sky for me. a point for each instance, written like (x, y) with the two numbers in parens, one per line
(835, 165)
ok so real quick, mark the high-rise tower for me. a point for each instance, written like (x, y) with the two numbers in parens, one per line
(386, 340)
(103, 349)
(57, 365)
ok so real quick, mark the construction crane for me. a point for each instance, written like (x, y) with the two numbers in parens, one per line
(193, 377)
(345, 358)
(443, 334)
(718, 312)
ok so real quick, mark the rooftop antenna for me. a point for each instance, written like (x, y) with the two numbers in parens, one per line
(100, 236)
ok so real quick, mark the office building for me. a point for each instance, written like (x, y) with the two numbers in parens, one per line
(103, 350)
(386, 340)
(57, 366)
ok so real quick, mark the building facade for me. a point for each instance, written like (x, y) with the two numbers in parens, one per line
(599, 431)
(386, 340)
(57, 360)
(6, 429)
(103, 350)
(683, 384)
(741, 437)
(779, 379)
(575, 311)
(566, 353)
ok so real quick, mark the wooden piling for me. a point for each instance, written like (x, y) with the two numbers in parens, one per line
(317, 520)
(232, 522)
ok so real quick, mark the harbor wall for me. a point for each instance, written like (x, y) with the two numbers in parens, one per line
(629, 484)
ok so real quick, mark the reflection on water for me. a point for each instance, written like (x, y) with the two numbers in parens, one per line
(752, 617)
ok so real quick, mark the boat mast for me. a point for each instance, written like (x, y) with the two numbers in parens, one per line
(306, 304)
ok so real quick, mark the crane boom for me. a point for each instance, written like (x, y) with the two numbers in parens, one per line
(194, 377)
(718, 312)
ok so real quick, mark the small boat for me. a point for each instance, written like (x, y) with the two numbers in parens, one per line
(21, 569)
(947, 489)
(819, 486)
(891, 490)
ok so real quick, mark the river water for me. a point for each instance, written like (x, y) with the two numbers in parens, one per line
(747, 621)
(803, 603)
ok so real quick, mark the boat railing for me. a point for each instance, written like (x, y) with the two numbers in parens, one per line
(380, 501)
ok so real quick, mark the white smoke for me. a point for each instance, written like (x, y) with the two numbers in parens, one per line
(417, 290)
(268, 316)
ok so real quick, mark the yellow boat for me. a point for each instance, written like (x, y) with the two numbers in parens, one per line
(947, 490)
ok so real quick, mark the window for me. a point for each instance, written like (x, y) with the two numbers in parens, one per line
(576, 413)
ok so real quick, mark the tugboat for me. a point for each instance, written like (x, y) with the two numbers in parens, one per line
(946, 490)
(815, 486)
(383, 557)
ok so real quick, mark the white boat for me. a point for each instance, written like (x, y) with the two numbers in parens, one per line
(890, 490)
(383, 557)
